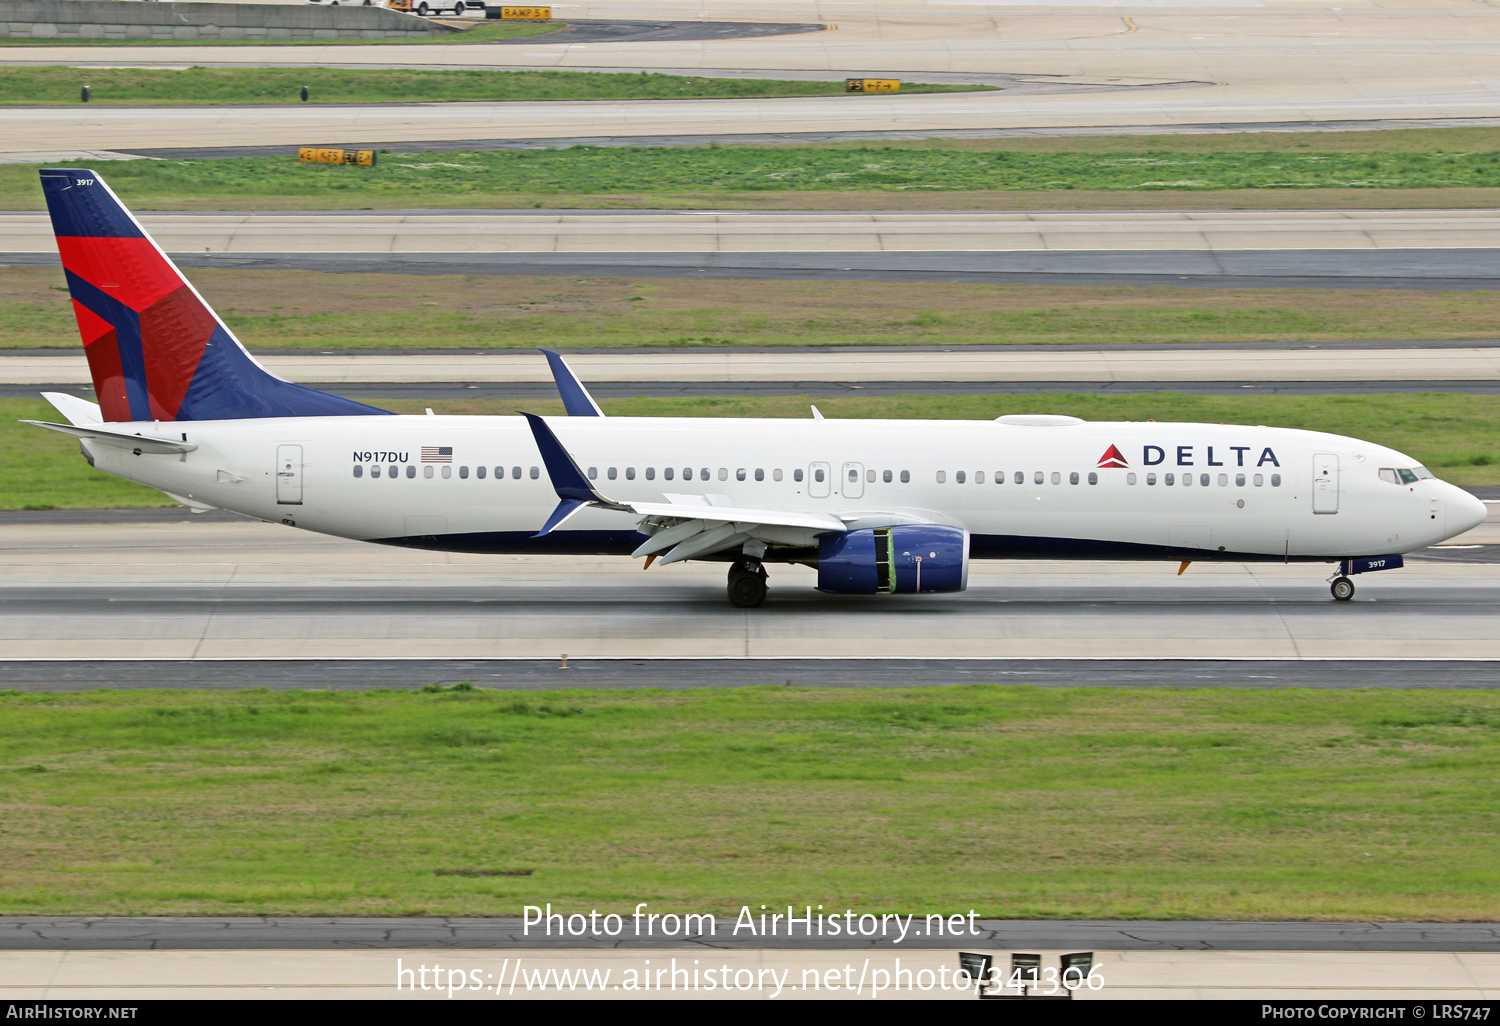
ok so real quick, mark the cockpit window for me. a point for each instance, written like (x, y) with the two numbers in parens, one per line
(1389, 474)
(1407, 476)
(1423, 472)
(1402, 475)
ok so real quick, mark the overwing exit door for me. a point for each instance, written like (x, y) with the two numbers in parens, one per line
(852, 480)
(289, 475)
(818, 482)
(1325, 483)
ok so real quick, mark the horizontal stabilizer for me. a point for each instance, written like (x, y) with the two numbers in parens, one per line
(118, 439)
(78, 411)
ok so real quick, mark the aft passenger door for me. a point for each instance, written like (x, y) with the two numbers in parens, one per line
(1325, 483)
(818, 475)
(853, 478)
(289, 475)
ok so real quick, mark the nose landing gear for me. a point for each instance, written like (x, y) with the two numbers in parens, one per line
(747, 584)
(1342, 588)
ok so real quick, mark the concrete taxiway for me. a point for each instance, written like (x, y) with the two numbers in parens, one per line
(1261, 61)
(237, 590)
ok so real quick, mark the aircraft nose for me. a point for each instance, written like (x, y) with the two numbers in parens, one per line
(1465, 512)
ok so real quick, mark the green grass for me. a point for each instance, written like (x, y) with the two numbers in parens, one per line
(748, 170)
(311, 310)
(482, 32)
(1457, 436)
(1013, 801)
(199, 86)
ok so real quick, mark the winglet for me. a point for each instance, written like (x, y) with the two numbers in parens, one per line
(576, 398)
(568, 481)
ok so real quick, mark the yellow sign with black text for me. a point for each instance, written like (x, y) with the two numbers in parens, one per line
(526, 13)
(330, 155)
(872, 85)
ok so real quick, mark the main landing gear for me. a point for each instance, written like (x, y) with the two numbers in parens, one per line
(1342, 588)
(747, 584)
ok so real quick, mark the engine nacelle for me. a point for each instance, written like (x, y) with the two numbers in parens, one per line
(900, 560)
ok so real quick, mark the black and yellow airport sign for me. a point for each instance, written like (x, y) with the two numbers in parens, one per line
(526, 13)
(331, 155)
(400, 5)
(872, 85)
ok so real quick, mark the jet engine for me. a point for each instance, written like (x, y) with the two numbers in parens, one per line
(901, 560)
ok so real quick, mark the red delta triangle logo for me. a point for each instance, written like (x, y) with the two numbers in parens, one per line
(1112, 458)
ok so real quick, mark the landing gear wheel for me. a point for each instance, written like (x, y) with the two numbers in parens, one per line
(747, 585)
(1342, 588)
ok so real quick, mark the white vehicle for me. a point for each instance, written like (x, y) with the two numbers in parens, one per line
(893, 507)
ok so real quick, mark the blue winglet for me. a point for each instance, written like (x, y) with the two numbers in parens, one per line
(576, 398)
(564, 510)
(568, 481)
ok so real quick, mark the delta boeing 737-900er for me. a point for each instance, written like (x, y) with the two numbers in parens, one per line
(875, 506)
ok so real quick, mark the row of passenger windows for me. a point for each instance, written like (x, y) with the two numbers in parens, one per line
(445, 471)
(1041, 477)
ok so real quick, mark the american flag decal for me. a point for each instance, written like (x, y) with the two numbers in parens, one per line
(437, 454)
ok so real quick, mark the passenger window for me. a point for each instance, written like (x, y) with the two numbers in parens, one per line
(853, 475)
(427, 472)
(776, 475)
(1057, 478)
(1093, 477)
(593, 473)
(1169, 479)
(886, 476)
(395, 472)
(1275, 480)
(1037, 477)
(667, 473)
(1187, 479)
(478, 472)
(463, 472)
(499, 473)
(1151, 479)
(1259, 480)
(959, 477)
(1020, 477)
(942, 476)
(448, 473)
(1073, 477)
(359, 471)
(650, 473)
(999, 477)
(1203, 480)
(1387, 474)
(1223, 480)
(630, 473)
(412, 471)
(687, 473)
(1130, 478)
(797, 475)
(739, 475)
(704, 475)
(1239, 480)
(905, 477)
(818, 474)
(760, 474)
(612, 473)
(536, 473)
(515, 473)
(869, 476)
(723, 474)
(979, 477)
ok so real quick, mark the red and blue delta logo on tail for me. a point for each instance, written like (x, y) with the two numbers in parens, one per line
(1112, 458)
(155, 349)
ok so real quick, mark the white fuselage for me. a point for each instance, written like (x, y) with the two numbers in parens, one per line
(1270, 493)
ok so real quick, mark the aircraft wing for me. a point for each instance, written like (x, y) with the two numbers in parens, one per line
(681, 530)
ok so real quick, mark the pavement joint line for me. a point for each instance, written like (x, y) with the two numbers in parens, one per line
(1429, 660)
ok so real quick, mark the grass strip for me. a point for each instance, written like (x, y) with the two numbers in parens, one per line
(735, 170)
(197, 86)
(1014, 801)
(1454, 435)
(311, 310)
(482, 32)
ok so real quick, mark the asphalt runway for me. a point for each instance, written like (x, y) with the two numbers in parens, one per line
(63, 675)
(315, 933)
(197, 590)
(1430, 270)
